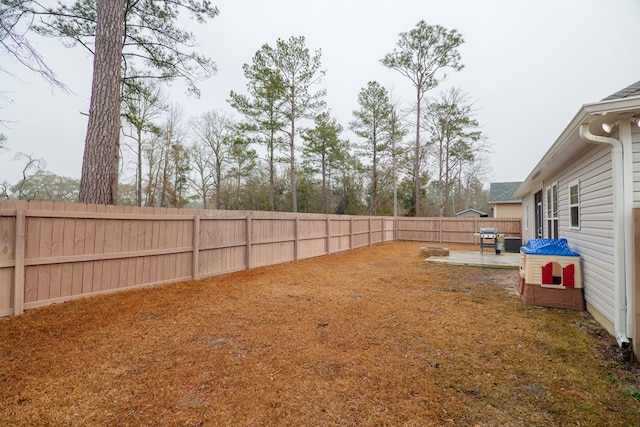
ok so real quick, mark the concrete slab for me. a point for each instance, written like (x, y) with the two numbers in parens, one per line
(476, 259)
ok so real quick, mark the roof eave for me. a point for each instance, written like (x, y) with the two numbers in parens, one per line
(569, 144)
(544, 168)
(500, 202)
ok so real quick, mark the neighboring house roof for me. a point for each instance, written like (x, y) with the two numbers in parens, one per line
(471, 211)
(502, 192)
(569, 145)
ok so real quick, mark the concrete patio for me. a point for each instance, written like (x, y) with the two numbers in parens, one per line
(487, 259)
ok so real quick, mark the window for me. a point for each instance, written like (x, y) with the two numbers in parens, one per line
(539, 214)
(574, 205)
(552, 211)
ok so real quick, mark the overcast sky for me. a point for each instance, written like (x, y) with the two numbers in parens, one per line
(529, 67)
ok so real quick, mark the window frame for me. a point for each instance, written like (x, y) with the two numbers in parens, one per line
(551, 211)
(576, 205)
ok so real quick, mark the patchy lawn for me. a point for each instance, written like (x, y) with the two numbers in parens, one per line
(370, 337)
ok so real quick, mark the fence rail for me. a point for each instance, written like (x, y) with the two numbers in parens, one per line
(53, 252)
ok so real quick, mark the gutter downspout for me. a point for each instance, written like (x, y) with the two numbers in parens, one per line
(619, 225)
(627, 150)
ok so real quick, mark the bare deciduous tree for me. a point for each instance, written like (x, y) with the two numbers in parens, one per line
(15, 24)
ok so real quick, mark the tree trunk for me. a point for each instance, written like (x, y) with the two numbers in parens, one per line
(325, 198)
(272, 178)
(394, 165)
(416, 162)
(139, 170)
(294, 177)
(373, 205)
(98, 182)
(294, 180)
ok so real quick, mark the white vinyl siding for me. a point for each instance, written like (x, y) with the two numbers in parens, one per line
(528, 218)
(635, 138)
(594, 239)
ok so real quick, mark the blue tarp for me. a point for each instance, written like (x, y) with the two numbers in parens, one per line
(548, 247)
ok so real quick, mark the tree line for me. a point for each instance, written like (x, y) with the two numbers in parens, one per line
(286, 152)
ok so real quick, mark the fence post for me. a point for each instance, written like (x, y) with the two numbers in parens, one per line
(296, 241)
(248, 252)
(475, 228)
(195, 268)
(328, 249)
(370, 231)
(395, 228)
(18, 276)
(350, 233)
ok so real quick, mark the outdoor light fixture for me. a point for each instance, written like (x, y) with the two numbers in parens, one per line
(608, 127)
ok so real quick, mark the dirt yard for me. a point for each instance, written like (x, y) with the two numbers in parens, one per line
(373, 337)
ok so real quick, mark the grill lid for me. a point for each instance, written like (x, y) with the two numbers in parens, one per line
(487, 230)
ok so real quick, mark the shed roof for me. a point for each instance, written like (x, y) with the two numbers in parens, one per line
(502, 192)
(471, 210)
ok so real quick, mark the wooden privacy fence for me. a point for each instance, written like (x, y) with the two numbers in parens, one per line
(53, 252)
(453, 230)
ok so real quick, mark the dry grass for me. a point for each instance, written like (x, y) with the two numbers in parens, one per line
(370, 337)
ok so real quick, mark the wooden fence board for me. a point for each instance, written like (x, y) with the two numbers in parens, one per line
(309, 247)
(99, 273)
(57, 247)
(44, 251)
(68, 238)
(78, 249)
(124, 228)
(6, 291)
(89, 248)
(7, 237)
(7, 260)
(137, 244)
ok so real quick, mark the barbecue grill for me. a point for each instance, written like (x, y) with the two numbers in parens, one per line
(489, 239)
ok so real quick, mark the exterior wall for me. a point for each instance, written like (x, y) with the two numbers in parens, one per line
(528, 218)
(507, 210)
(594, 238)
(635, 304)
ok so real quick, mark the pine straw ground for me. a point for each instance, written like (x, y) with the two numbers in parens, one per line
(374, 337)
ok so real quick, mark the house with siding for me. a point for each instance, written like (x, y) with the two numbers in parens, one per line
(585, 189)
(502, 201)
